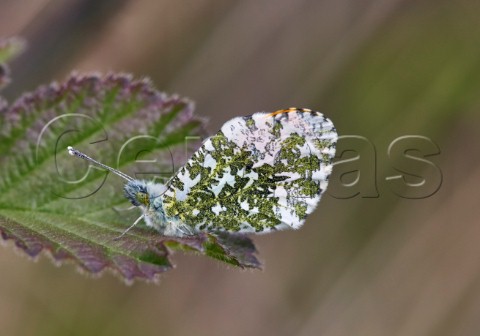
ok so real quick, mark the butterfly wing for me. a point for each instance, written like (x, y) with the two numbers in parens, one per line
(259, 173)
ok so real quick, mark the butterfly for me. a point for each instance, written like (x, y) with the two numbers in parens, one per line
(259, 173)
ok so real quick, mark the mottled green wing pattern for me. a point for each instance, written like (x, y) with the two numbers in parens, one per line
(259, 173)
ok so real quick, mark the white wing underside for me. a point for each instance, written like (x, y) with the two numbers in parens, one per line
(288, 155)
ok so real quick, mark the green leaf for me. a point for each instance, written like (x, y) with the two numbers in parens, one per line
(9, 49)
(52, 201)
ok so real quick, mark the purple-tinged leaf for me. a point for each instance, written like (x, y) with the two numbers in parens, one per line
(52, 202)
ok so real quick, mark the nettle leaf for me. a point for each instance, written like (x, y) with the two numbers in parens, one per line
(52, 201)
(9, 49)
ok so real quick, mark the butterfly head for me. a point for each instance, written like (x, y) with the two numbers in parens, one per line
(136, 191)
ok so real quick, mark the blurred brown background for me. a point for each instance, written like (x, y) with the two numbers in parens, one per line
(362, 266)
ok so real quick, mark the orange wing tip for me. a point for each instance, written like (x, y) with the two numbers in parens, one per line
(291, 109)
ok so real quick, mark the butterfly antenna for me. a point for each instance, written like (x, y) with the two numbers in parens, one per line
(72, 151)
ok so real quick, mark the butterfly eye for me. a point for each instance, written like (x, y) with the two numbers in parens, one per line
(143, 198)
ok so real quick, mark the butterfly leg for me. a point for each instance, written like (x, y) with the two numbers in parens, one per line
(129, 228)
(176, 228)
(117, 209)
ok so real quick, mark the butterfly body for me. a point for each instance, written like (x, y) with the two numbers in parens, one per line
(259, 173)
(147, 196)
